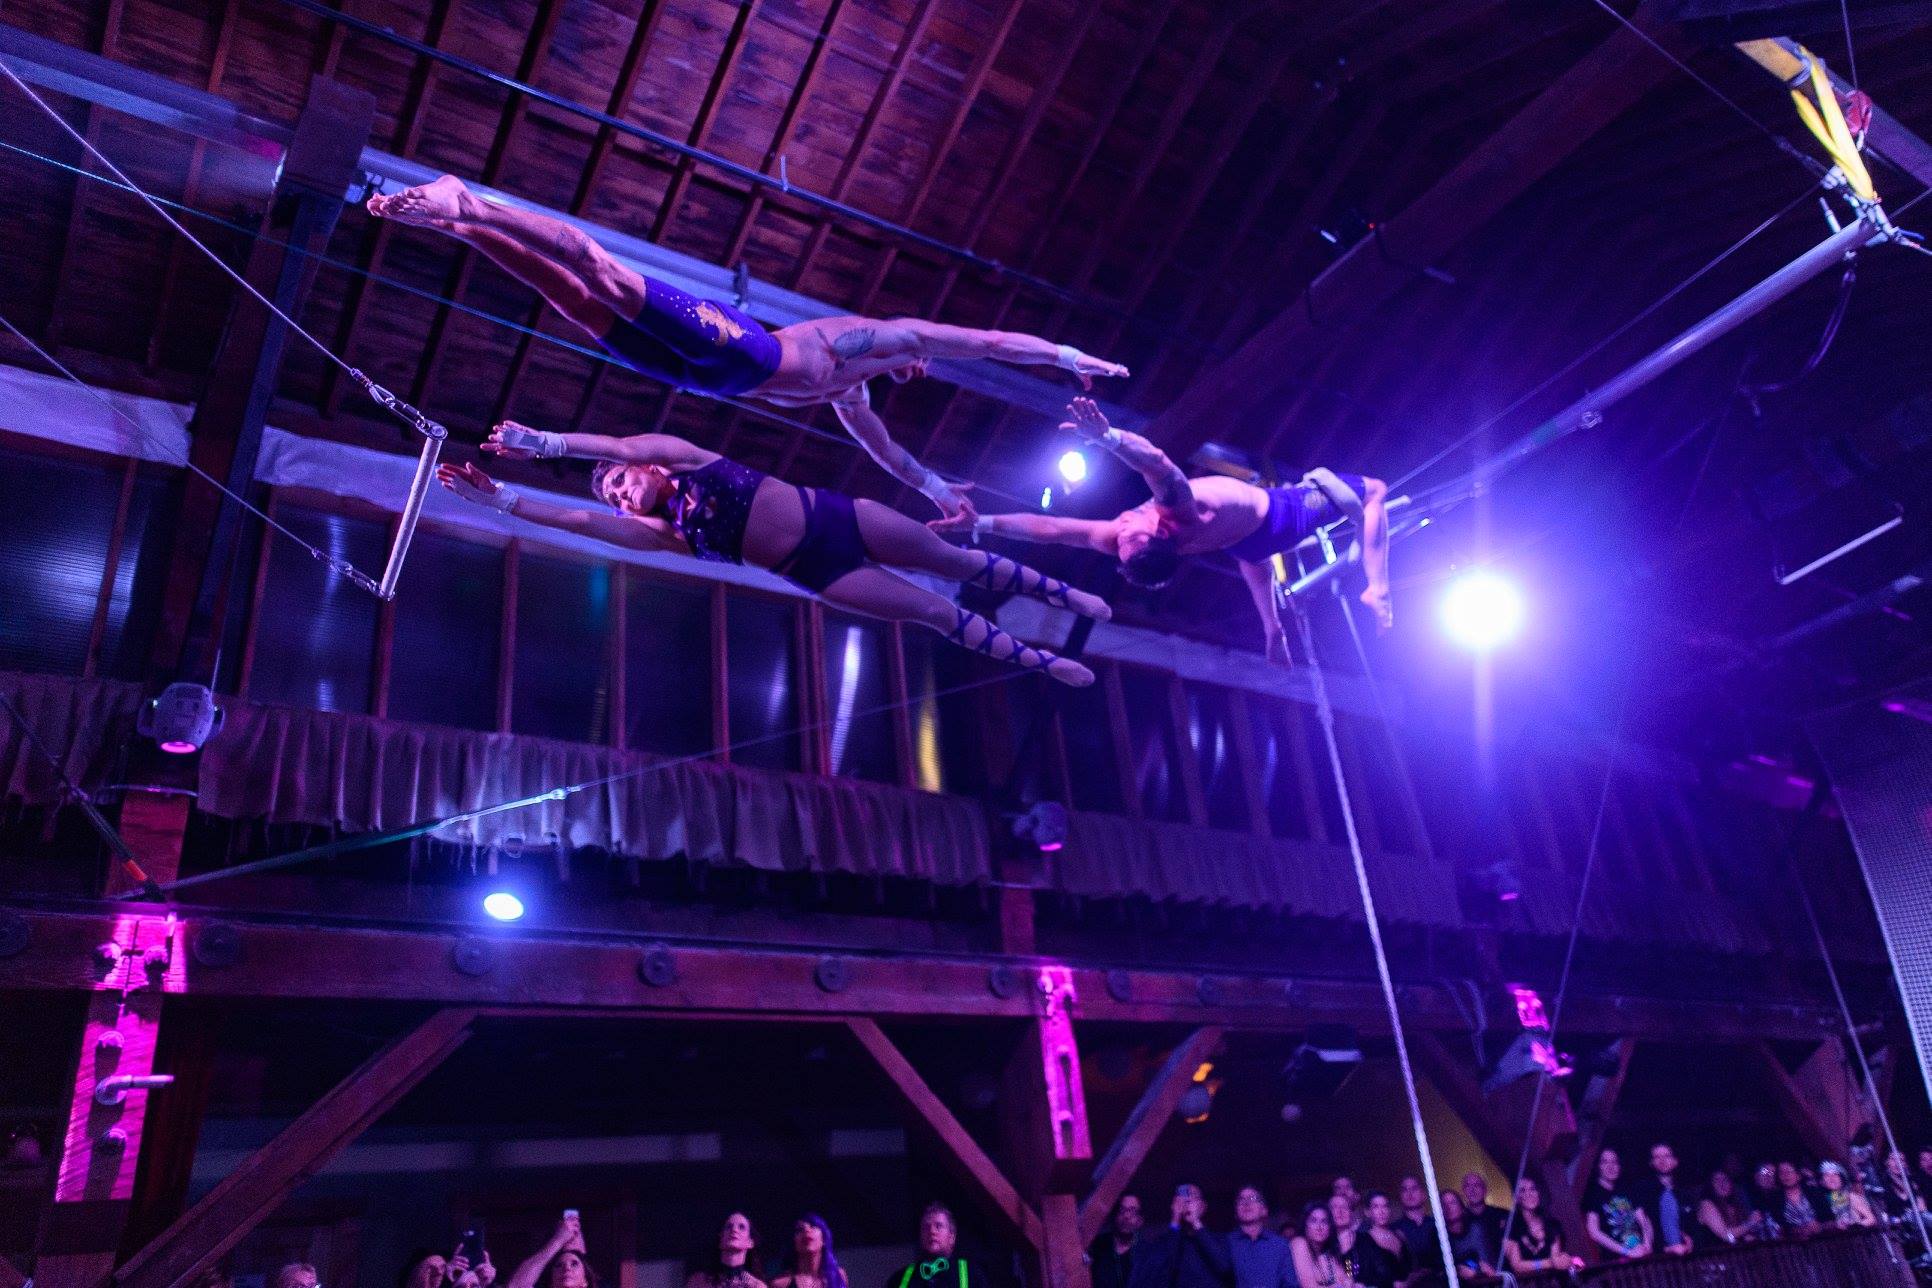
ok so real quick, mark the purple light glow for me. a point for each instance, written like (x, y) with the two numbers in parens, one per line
(1054, 847)
(178, 748)
(1509, 896)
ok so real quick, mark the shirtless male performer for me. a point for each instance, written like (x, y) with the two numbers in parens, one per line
(1201, 515)
(710, 346)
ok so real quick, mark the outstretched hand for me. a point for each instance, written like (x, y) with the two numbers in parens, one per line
(1086, 367)
(474, 486)
(958, 523)
(1085, 418)
(954, 504)
(521, 443)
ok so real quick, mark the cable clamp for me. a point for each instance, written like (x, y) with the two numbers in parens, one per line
(416, 419)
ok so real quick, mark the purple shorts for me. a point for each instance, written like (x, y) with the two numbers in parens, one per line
(1293, 513)
(702, 345)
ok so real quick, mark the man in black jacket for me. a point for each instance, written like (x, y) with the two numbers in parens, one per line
(1184, 1255)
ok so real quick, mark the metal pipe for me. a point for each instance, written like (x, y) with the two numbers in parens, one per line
(736, 170)
(1897, 520)
(1587, 411)
(411, 512)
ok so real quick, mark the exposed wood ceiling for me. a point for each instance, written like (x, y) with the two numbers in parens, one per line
(1168, 163)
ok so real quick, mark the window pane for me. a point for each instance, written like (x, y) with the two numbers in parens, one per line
(1210, 730)
(945, 743)
(1150, 725)
(138, 579)
(667, 676)
(56, 520)
(857, 691)
(561, 686)
(764, 710)
(449, 619)
(315, 632)
(1087, 725)
(1275, 723)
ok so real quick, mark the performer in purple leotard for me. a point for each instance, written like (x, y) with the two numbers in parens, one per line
(712, 347)
(1201, 515)
(669, 494)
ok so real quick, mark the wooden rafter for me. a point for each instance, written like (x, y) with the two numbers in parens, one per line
(535, 50)
(1154, 1110)
(1579, 104)
(601, 147)
(224, 1217)
(225, 25)
(82, 201)
(963, 1153)
(422, 83)
(787, 123)
(707, 114)
(895, 75)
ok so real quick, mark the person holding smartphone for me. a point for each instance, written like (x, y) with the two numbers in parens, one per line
(561, 1262)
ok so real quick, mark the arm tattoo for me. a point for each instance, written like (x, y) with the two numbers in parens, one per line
(855, 343)
(574, 246)
(1175, 493)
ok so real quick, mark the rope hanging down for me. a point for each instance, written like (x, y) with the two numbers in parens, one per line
(1325, 713)
(433, 434)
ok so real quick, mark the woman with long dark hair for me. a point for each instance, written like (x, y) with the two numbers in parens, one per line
(1317, 1253)
(1725, 1214)
(729, 1263)
(1382, 1256)
(812, 1263)
(1536, 1243)
(670, 494)
(560, 1263)
(1612, 1217)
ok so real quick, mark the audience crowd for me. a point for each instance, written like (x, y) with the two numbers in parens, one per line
(1348, 1239)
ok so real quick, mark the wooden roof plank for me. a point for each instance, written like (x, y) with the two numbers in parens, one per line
(1578, 104)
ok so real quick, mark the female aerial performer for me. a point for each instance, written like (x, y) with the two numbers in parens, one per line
(1202, 515)
(670, 494)
(708, 345)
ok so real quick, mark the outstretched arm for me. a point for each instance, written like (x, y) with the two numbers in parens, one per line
(520, 442)
(1046, 529)
(855, 412)
(636, 533)
(938, 340)
(1164, 478)
(567, 1235)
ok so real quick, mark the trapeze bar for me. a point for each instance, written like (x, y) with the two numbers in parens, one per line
(411, 512)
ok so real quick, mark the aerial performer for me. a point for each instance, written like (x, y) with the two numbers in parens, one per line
(1201, 515)
(711, 347)
(670, 494)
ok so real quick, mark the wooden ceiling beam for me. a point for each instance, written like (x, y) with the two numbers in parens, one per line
(225, 25)
(915, 205)
(787, 123)
(1138, 1135)
(422, 82)
(685, 168)
(535, 50)
(630, 71)
(895, 75)
(82, 201)
(1573, 109)
(535, 969)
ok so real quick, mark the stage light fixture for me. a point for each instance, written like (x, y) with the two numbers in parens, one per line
(1045, 825)
(182, 719)
(503, 905)
(1073, 468)
(1482, 610)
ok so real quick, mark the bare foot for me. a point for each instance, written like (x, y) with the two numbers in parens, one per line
(1089, 605)
(1377, 601)
(1068, 671)
(427, 205)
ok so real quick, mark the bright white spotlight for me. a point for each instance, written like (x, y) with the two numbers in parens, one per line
(503, 905)
(1073, 468)
(1481, 610)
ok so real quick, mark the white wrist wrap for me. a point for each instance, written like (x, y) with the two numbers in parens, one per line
(982, 524)
(1068, 357)
(1111, 438)
(545, 444)
(503, 500)
(932, 487)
